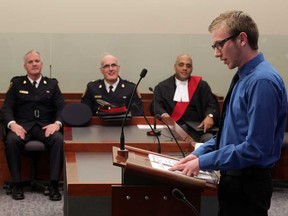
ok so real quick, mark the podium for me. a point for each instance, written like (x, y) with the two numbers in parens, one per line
(146, 190)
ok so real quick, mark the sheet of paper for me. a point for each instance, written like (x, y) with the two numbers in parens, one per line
(147, 127)
(164, 163)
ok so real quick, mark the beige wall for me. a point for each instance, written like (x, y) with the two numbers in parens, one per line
(73, 34)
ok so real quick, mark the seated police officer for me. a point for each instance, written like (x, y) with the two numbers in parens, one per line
(31, 111)
(112, 89)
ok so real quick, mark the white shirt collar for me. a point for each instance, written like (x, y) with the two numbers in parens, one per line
(181, 92)
(107, 85)
(37, 81)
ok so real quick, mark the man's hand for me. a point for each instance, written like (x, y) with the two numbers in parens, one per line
(18, 130)
(51, 129)
(188, 165)
(165, 115)
(206, 124)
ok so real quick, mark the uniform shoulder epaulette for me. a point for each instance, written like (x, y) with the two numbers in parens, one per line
(96, 81)
(16, 78)
(128, 81)
(48, 79)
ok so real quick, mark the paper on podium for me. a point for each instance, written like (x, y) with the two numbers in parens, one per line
(164, 163)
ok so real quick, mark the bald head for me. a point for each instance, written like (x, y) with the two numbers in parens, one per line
(109, 58)
(183, 56)
(110, 68)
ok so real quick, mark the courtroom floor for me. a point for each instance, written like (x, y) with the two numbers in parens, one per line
(36, 204)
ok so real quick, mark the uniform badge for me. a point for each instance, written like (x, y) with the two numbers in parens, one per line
(24, 82)
(100, 86)
(45, 82)
(123, 85)
(98, 96)
(23, 92)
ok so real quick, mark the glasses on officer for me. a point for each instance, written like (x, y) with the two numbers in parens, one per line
(219, 44)
(107, 66)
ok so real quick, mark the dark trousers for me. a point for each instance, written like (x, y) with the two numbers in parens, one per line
(246, 194)
(197, 136)
(14, 147)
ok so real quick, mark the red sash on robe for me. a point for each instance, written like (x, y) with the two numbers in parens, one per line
(181, 106)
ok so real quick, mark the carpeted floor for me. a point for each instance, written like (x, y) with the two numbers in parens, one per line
(36, 204)
(279, 204)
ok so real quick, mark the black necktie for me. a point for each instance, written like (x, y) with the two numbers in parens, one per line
(110, 89)
(35, 84)
(226, 101)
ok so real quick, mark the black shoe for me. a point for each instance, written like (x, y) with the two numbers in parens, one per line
(17, 192)
(54, 194)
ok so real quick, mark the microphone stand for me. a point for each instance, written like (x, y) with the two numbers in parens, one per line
(123, 152)
(159, 146)
(180, 196)
(162, 120)
(154, 132)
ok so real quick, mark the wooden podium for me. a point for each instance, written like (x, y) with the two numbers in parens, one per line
(148, 191)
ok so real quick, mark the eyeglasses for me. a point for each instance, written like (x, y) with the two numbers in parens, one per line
(107, 66)
(219, 44)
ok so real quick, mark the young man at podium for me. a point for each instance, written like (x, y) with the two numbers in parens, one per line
(252, 125)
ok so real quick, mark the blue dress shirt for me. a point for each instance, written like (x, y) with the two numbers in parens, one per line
(254, 124)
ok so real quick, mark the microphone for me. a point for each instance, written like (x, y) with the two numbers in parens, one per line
(122, 137)
(155, 132)
(152, 130)
(180, 196)
(162, 120)
(151, 89)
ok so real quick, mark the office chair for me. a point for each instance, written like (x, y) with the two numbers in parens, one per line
(33, 149)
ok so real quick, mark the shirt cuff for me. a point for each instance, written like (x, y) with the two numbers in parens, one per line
(9, 124)
(58, 123)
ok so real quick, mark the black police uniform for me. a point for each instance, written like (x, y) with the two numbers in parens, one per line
(33, 108)
(121, 96)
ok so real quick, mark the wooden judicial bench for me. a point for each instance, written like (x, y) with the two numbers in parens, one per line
(279, 172)
(90, 175)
